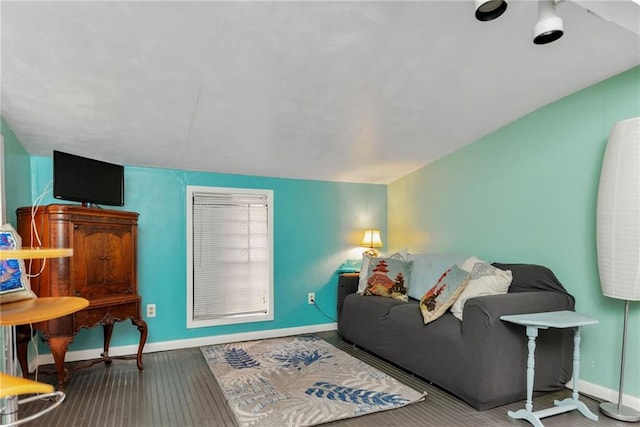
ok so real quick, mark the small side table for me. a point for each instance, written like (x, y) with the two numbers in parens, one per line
(553, 319)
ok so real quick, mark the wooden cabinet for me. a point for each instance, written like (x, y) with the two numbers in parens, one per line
(102, 270)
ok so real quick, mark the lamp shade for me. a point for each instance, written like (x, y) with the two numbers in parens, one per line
(618, 213)
(372, 239)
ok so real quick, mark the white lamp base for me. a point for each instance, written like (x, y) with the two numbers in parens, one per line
(622, 413)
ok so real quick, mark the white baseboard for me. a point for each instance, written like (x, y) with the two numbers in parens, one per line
(606, 394)
(72, 356)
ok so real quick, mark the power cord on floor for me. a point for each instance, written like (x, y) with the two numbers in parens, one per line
(322, 311)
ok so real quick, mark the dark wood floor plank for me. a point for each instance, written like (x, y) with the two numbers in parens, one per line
(177, 389)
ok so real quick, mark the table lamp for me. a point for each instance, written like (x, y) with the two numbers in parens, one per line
(371, 240)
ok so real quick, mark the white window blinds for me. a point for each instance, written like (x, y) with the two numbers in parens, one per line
(231, 261)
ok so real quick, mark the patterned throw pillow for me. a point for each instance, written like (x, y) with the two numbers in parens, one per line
(468, 263)
(388, 277)
(427, 268)
(485, 279)
(443, 294)
(14, 283)
(366, 260)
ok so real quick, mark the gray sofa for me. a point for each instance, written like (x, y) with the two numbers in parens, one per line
(481, 359)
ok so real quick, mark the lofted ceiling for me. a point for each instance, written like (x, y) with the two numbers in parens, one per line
(352, 91)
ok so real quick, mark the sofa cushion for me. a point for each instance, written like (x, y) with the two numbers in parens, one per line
(388, 277)
(484, 279)
(365, 310)
(427, 269)
(443, 294)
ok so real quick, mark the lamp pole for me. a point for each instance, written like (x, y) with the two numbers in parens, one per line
(611, 410)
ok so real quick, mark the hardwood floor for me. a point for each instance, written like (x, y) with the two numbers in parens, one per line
(177, 388)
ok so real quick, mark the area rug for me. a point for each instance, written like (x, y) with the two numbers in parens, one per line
(300, 381)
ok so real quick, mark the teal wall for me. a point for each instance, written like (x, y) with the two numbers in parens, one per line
(527, 193)
(17, 173)
(315, 228)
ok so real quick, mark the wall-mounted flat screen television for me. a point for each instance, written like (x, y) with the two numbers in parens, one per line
(88, 181)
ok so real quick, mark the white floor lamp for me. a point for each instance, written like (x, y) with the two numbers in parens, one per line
(618, 234)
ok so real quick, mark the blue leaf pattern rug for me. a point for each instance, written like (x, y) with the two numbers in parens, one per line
(300, 381)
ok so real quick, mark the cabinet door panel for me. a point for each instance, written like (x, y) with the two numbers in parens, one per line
(100, 252)
(117, 250)
(92, 254)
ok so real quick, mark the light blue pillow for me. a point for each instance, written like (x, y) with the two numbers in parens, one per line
(427, 269)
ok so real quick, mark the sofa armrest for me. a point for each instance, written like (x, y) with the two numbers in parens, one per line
(500, 348)
(347, 284)
(486, 310)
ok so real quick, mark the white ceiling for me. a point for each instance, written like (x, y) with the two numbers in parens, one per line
(341, 91)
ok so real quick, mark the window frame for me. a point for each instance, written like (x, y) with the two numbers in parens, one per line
(235, 319)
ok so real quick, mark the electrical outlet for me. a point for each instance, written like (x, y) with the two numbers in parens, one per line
(311, 298)
(151, 310)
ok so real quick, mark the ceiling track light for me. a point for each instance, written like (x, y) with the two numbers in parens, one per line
(549, 27)
(488, 10)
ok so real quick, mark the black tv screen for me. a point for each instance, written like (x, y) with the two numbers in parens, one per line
(88, 181)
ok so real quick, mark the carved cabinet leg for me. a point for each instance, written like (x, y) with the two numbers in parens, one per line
(142, 327)
(59, 346)
(108, 330)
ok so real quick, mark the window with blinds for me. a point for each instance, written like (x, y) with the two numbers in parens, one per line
(229, 256)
